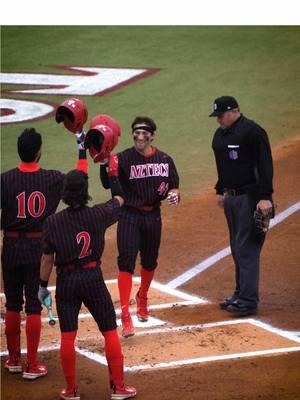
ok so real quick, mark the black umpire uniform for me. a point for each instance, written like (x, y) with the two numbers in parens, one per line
(245, 172)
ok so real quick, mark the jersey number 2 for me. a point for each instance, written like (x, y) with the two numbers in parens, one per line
(36, 204)
(85, 251)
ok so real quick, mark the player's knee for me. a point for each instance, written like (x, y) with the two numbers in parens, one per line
(67, 326)
(126, 269)
(149, 266)
(12, 306)
(33, 308)
(126, 266)
(107, 324)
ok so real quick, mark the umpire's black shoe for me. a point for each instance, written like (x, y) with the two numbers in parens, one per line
(227, 302)
(241, 310)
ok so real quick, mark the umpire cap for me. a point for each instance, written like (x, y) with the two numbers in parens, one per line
(223, 104)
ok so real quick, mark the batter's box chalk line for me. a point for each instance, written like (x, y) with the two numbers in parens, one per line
(210, 261)
(145, 324)
(185, 300)
(180, 363)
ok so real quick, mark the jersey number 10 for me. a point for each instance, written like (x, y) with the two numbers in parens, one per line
(36, 204)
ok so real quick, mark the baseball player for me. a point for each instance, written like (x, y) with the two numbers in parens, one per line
(245, 172)
(29, 194)
(74, 242)
(147, 176)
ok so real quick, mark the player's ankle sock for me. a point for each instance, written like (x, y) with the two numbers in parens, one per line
(146, 279)
(13, 332)
(33, 333)
(125, 285)
(114, 356)
(68, 357)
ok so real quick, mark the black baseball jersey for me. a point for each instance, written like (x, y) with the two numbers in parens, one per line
(146, 180)
(76, 235)
(243, 157)
(28, 197)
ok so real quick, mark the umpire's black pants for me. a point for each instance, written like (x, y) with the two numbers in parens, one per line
(246, 244)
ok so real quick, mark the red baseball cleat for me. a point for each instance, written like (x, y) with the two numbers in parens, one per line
(13, 364)
(123, 392)
(35, 371)
(127, 325)
(70, 394)
(141, 308)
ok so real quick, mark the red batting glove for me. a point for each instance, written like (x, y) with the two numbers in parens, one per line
(113, 163)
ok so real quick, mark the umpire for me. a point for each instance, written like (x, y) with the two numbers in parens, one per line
(245, 172)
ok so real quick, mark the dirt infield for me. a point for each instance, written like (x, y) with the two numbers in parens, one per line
(195, 350)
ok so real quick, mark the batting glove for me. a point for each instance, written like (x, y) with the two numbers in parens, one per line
(42, 294)
(113, 163)
(173, 198)
(104, 161)
(80, 138)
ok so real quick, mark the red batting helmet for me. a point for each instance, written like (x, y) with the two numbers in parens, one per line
(73, 113)
(104, 119)
(100, 140)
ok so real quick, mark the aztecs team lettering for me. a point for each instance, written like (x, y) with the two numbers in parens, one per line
(148, 170)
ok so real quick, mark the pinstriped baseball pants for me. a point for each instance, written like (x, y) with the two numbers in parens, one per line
(138, 231)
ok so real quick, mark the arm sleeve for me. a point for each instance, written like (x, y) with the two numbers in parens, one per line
(174, 178)
(48, 246)
(264, 164)
(82, 163)
(218, 188)
(109, 212)
(104, 177)
(2, 192)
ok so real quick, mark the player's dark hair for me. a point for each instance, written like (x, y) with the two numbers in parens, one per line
(75, 188)
(29, 143)
(144, 121)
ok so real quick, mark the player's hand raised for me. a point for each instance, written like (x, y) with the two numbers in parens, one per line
(80, 139)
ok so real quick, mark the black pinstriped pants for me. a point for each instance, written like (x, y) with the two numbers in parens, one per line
(138, 231)
(19, 280)
(83, 285)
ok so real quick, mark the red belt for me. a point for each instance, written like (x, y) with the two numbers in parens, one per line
(20, 234)
(145, 208)
(91, 264)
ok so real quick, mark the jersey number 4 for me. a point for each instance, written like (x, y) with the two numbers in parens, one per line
(35, 206)
(163, 189)
(85, 251)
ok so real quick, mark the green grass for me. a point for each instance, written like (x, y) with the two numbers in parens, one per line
(256, 64)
